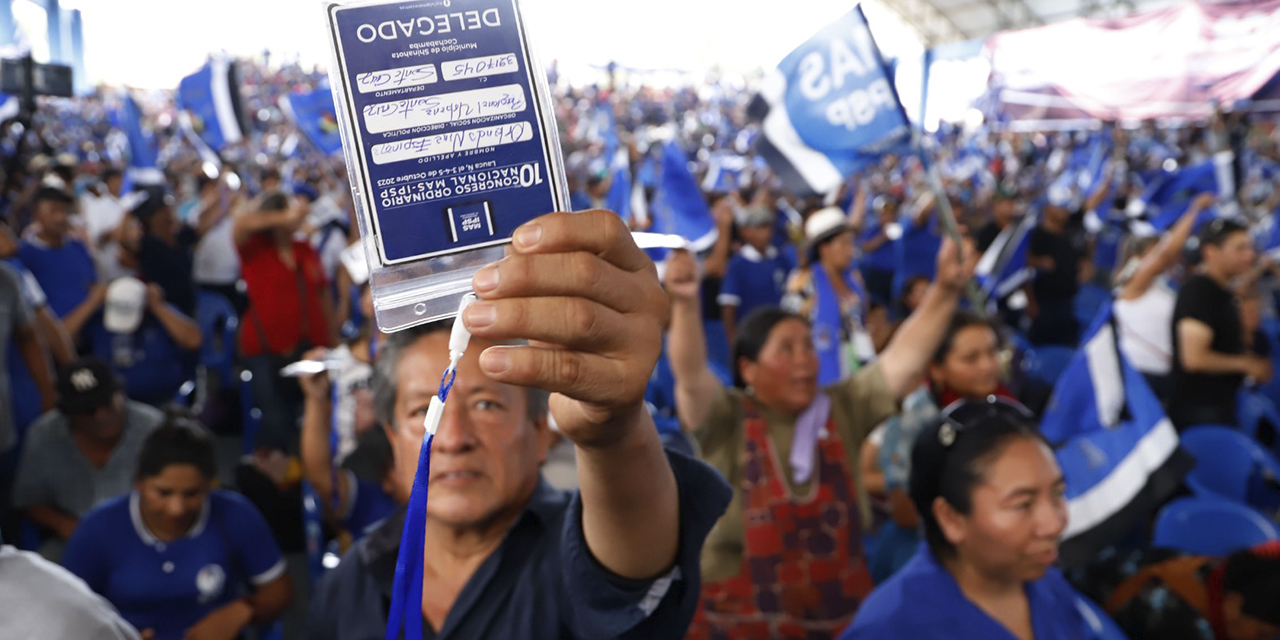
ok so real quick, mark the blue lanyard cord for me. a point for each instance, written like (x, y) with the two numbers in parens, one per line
(408, 582)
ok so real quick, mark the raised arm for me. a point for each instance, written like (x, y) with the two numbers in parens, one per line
(248, 220)
(578, 285)
(1166, 252)
(904, 360)
(317, 456)
(686, 345)
(184, 331)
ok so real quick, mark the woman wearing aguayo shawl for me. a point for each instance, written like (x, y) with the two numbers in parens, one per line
(787, 560)
(497, 552)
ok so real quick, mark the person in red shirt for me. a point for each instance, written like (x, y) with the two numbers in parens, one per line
(290, 309)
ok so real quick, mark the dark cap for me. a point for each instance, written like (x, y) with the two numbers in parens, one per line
(85, 385)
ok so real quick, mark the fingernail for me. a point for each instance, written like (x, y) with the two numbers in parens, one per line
(528, 235)
(495, 361)
(481, 315)
(485, 279)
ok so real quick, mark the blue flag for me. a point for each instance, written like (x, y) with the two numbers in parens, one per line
(678, 205)
(143, 150)
(1003, 268)
(1118, 451)
(618, 200)
(724, 172)
(1169, 194)
(830, 108)
(315, 116)
(211, 97)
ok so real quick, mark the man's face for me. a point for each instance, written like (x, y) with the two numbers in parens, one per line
(487, 452)
(1233, 257)
(106, 423)
(54, 218)
(115, 184)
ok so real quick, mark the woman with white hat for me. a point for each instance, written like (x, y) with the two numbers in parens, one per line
(831, 296)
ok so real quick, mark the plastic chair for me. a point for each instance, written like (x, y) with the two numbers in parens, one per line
(218, 323)
(1045, 364)
(1228, 463)
(1211, 526)
(1254, 409)
(1103, 627)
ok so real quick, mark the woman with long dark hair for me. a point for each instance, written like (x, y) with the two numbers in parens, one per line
(991, 501)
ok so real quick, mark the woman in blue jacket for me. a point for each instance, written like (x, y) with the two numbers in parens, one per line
(990, 497)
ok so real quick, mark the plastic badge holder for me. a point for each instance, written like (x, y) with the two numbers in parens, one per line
(450, 142)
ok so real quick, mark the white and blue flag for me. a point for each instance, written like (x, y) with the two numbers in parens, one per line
(211, 98)
(829, 108)
(1003, 269)
(1118, 450)
(144, 151)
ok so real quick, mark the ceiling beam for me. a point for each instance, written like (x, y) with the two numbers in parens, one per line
(933, 25)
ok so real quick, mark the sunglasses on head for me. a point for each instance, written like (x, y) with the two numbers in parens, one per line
(962, 414)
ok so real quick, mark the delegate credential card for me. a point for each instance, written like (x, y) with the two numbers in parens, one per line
(447, 121)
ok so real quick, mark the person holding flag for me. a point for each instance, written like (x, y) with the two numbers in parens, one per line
(789, 448)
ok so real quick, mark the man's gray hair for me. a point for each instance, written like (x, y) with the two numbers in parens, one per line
(384, 373)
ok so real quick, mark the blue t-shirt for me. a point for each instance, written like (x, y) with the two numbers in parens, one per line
(896, 610)
(152, 365)
(920, 247)
(171, 586)
(65, 273)
(885, 257)
(753, 280)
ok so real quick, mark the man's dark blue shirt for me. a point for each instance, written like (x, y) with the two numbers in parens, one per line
(542, 582)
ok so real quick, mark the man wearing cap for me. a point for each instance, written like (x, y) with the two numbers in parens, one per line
(82, 453)
(146, 340)
(757, 274)
(832, 296)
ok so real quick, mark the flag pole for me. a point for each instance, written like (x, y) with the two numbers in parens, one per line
(947, 217)
(945, 214)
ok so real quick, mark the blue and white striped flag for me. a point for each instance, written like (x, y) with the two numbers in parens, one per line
(143, 150)
(211, 97)
(1003, 268)
(1117, 449)
(829, 109)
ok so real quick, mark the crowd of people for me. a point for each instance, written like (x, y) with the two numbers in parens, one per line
(811, 428)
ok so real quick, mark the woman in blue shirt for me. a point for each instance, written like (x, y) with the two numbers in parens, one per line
(178, 559)
(990, 496)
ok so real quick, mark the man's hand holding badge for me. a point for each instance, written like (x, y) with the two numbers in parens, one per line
(579, 287)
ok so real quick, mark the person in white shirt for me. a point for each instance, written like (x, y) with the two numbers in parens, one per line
(42, 600)
(1145, 300)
